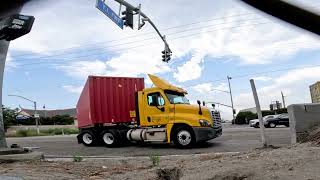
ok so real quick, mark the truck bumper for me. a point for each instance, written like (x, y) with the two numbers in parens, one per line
(206, 133)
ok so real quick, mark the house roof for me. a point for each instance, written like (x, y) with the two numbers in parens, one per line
(49, 113)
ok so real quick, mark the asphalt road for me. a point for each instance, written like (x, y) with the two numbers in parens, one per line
(234, 139)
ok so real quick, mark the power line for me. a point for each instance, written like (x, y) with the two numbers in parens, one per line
(56, 61)
(132, 42)
(149, 32)
(257, 73)
(124, 49)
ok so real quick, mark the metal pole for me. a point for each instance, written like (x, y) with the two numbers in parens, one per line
(231, 97)
(283, 101)
(146, 19)
(4, 45)
(261, 124)
(36, 118)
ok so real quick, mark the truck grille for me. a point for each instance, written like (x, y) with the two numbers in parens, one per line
(216, 118)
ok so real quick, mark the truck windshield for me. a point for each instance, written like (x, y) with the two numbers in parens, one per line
(176, 97)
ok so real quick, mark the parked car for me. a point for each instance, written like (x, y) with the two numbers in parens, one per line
(282, 119)
(266, 119)
(254, 123)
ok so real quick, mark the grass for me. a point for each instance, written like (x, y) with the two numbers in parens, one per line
(155, 159)
(46, 132)
(77, 158)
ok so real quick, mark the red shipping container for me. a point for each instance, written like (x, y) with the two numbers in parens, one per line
(108, 100)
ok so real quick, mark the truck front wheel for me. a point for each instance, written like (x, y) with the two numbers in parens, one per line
(184, 137)
(109, 138)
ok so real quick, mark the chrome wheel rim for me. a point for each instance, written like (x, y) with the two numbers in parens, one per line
(184, 137)
(108, 138)
(87, 138)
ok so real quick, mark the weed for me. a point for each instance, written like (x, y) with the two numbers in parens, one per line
(155, 159)
(77, 158)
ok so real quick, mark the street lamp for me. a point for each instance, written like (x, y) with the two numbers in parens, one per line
(35, 109)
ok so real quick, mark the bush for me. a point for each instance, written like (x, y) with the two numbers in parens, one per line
(245, 117)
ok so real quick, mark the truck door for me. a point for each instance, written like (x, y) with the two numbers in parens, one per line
(156, 111)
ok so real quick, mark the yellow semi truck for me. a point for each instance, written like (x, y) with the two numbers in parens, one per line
(117, 110)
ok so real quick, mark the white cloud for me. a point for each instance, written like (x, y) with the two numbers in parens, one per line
(207, 88)
(83, 69)
(85, 25)
(262, 78)
(73, 89)
(294, 84)
(190, 70)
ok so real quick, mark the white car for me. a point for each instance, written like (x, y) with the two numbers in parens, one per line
(255, 122)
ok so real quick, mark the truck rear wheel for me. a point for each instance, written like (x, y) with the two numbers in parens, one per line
(110, 138)
(88, 138)
(184, 137)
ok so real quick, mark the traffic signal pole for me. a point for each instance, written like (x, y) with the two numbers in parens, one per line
(145, 18)
(6, 8)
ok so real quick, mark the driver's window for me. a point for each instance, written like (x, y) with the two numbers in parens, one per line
(155, 99)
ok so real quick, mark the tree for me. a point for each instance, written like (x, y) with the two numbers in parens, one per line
(245, 117)
(9, 116)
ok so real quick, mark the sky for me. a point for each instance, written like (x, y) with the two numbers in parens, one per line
(210, 40)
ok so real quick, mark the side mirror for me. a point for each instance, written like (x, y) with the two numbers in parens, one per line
(203, 103)
(199, 103)
(213, 106)
(162, 109)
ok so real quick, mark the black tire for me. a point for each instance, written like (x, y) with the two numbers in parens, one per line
(287, 125)
(256, 125)
(272, 125)
(183, 137)
(87, 138)
(110, 138)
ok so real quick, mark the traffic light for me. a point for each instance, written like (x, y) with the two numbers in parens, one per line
(271, 107)
(278, 105)
(166, 55)
(128, 17)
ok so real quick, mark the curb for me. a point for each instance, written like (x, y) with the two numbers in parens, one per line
(70, 158)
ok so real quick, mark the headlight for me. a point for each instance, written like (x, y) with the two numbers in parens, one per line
(204, 123)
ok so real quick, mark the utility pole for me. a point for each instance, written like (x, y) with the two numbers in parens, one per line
(229, 78)
(283, 101)
(261, 124)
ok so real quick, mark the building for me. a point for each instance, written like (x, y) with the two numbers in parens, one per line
(48, 113)
(29, 113)
(315, 92)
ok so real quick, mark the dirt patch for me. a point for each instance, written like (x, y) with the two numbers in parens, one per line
(169, 174)
(312, 136)
(297, 162)
(234, 176)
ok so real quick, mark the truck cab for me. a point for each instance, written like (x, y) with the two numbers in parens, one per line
(165, 107)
